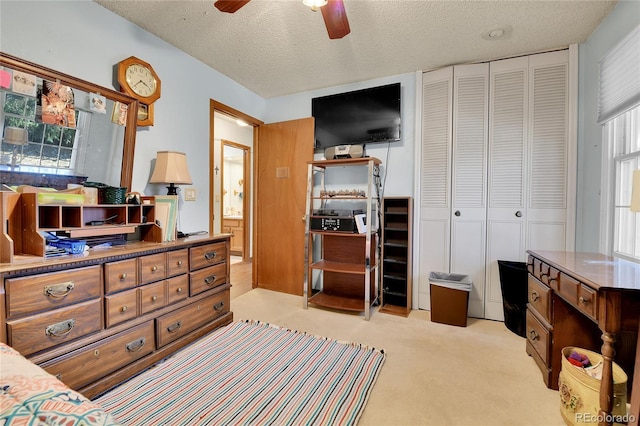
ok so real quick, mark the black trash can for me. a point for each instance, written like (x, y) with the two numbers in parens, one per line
(513, 283)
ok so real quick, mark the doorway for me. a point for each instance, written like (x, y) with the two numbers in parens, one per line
(235, 182)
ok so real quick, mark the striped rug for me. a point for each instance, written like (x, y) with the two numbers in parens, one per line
(252, 373)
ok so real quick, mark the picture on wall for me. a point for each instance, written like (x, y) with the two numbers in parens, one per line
(24, 83)
(97, 103)
(57, 104)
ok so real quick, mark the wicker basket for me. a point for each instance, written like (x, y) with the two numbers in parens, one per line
(112, 195)
(580, 393)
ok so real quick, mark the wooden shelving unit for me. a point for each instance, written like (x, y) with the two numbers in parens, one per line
(25, 220)
(345, 264)
(396, 255)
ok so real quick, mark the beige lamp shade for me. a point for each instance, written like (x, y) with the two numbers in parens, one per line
(635, 192)
(15, 136)
(171, 167)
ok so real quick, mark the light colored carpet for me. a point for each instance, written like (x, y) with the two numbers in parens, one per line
(434, 374)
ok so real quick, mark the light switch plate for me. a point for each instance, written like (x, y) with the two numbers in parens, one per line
(190, 194)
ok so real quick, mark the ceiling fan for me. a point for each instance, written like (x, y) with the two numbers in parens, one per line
(335, 17)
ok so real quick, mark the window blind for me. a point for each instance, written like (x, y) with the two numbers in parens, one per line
(619, 84)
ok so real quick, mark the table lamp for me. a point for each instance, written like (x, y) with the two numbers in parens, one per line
(635, 192)
(17, 137)
(171, 168)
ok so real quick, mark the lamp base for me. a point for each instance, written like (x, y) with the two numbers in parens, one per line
(172, 189)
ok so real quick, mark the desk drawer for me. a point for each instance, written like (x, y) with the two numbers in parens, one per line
(588, 301)
(207, 278)
(207, 255)
(96, 361)
(180, 322)
(153, 268)
(121, 307)
(540, 298)
(120, 275)
(34, 293)
(538, 336)
(32, 334)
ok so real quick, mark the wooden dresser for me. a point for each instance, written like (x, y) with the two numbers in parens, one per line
(96, 319)
(585, 300)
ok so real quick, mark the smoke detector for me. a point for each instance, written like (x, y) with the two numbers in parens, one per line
(497, 33)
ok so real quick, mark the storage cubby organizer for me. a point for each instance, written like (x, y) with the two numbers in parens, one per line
(25, 220)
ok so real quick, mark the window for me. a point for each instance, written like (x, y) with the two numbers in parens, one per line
(622, 135)
(50, 146)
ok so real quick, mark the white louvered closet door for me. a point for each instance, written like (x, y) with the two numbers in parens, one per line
(435, 179)
(506, 212)
(547, 207)
(469, 178)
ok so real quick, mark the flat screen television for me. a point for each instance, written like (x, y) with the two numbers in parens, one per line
(363, 116)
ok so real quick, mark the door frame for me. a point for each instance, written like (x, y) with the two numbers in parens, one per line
(215, 106)
(246, 176)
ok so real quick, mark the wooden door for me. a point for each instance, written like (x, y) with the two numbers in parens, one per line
(281, 187)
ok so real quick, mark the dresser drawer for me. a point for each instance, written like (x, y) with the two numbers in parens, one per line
(97, 360)
(152, 297)
(120, 275)
(180, 322)
(153, 268)
(35, 333)
(207, 255)
(207, 278)
(540, 297)
(177, 262)
(538, 336)
(121, 307)
(26, 295)
(177, 288)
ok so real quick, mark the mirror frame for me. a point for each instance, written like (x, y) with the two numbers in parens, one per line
(126, 173)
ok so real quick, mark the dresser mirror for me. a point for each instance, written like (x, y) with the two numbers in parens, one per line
(76, 131)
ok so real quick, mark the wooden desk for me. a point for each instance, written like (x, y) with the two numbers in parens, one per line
(586, 300)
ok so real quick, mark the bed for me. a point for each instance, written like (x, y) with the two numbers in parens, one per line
(31, 396)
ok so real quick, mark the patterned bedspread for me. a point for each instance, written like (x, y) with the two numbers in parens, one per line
(31, 396)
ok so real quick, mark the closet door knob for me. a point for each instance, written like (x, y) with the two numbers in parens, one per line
(457, 213)
(518, 213)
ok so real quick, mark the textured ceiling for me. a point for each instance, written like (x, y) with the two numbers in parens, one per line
(280, 47)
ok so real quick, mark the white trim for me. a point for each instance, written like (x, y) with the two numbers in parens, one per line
(572, 148)
(416, 193)
(606, 195)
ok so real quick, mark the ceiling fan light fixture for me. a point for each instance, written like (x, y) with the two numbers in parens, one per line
(314, 4)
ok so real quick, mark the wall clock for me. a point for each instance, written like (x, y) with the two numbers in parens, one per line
(138, 79)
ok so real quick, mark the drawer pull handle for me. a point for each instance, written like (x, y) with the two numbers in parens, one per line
(59, 290)
(179, 290)
(174, 327)
(218, 306)
(210, 279)
(124, 308)
(154, 298)
(535, 296)
(136, 345)
(210, 255)
(59, 376)
(179, 262)
(123, 277)
(60, 329)
(154, 268)
(583, 301)
(533, 335)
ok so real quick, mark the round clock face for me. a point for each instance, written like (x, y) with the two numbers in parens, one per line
(141, 80)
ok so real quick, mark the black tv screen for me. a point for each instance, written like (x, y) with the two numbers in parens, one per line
(359, 117)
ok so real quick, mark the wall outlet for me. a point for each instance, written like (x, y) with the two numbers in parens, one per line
(190, 194)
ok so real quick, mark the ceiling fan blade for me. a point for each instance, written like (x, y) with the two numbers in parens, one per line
(335, 19)
(230, 6)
